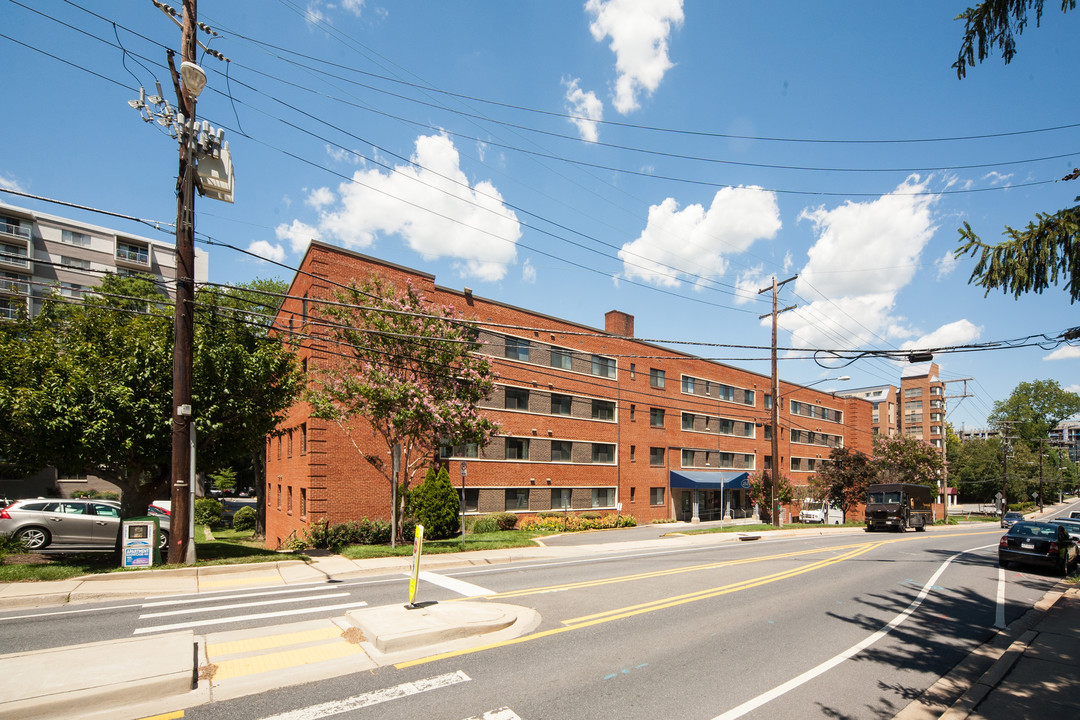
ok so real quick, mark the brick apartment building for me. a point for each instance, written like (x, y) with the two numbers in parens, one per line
(591, 420)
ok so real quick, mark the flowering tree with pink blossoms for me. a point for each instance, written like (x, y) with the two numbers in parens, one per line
(405, 370)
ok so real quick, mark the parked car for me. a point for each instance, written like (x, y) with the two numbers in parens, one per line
(1075, 515)
(74, 523)
(1038, 543)
(1011, 517)
(1073, 526)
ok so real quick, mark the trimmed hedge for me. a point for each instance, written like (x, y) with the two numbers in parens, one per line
(575, 523)
(354, 532)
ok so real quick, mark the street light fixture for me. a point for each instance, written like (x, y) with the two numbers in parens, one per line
(193, 77)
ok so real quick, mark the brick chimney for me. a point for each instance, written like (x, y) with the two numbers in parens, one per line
(619, 323)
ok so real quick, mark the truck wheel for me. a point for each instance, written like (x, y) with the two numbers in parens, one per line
(921, 528)
(902, 527)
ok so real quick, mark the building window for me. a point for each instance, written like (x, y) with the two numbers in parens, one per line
(633, 410)
(288, 507)
(603, 366)
(768, 401)
(633, 371)
(603, 453)
(472, 500)
(560, 498)
(75, 238)
(560, 450)
(517, 448)
(687, 457)
(656, 496)
(633, 453)
(913, 392)
(279, 450)
(687, 421)
(688, 385)
(279, 497)
(561, 404)
(656, 417)
(132, 253)
(517, 398)
(517, 499)
(303, 438)
(561, 359)
(303, 502)
(632, 493)
(465, 450)
(74, 263)
(289, 454)
(603, 497)
(656, 378)
(656, 456)
(517, 348)
(603, 410)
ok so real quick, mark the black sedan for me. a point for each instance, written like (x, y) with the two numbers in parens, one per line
(1038, 543)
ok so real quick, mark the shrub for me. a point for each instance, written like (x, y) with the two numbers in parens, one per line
(485, 524)
(434, 504)
(10, 545)
(577, 523)
(209, 512)
(353, 532)
(244, 519)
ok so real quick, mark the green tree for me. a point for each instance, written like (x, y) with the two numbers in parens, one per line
(1048, 250)
(411, 374)
(1034, 408)
(88, 388)
(975, 469)
(905, 459)
(845, 477)
(435, 505)
(761, 493)
(224, 478)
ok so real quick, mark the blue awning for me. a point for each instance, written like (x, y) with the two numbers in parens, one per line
(715, 480)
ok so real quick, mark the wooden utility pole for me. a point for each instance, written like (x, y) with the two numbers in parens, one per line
(180, 549)
(774, 472)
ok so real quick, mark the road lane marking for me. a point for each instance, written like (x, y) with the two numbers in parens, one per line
(239, 581)
(500, 714)
(268, 642)
(336, 707)
(218, 592)
(166, 716)
(270, 662)
(243, 618)
(627, 612)
(237, 606)
(459, 586)
(240, 596)
(779, 690)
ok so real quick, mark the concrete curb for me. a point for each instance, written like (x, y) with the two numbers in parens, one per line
(58, 681)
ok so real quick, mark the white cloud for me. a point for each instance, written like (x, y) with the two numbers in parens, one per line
(356, 7)
(265, 250)
(1066, 352)
(959, 332)
(320, 198)
(528, 272)
(586, 109)
(339, 154)
(298, 234)
(694, 241)
(639, 31)
(946, 264)
(996, 178)
(749, 283)
(9, 184)
(864, 255)
(433, 208)
(313, 14)
(1073, 388)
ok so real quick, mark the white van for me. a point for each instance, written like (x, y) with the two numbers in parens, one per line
(816, 511)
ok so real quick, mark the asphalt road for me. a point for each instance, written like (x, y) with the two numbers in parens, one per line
(767, 629)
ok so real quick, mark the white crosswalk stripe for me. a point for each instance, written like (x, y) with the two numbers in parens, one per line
(375, 697)
(245, 618)
(500, 714)
(459, 586)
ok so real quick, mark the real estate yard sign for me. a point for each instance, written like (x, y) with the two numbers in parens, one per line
(418, 544)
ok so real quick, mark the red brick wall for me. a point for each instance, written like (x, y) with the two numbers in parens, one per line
(341, 485)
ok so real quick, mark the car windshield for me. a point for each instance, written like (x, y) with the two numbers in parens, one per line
(1012, 515)
(885, 498)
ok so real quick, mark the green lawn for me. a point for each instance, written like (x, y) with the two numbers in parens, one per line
(485, 541)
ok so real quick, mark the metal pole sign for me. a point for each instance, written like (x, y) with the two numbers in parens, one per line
(418, 544)
(464, 472)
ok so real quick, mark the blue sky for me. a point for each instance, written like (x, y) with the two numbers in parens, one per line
(659, 157)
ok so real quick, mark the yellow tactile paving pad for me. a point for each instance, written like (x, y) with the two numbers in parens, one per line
(267, 642)
(228, 669)
(258, 580)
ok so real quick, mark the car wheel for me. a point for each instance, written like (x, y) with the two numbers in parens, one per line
(1002, 563)
(163, 539)
(34, 538)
